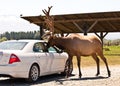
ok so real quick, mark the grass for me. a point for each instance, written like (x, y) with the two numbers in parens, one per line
(113, 50)
(112, 55)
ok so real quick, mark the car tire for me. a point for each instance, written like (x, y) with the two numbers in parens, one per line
(66, 68)
(33, 73)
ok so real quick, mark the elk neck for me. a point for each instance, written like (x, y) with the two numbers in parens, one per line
(60, 42)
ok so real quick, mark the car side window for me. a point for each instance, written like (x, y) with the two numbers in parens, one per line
(51, 49)
(39, 47)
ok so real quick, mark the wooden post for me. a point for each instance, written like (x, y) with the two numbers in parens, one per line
(101, 36)
(41, 31)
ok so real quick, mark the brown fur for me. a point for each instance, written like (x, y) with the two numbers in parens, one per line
(78, 45)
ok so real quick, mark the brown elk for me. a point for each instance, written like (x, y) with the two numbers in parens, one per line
(78, 45)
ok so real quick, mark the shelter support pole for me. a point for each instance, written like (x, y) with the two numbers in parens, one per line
(41, 31)
(101, 36)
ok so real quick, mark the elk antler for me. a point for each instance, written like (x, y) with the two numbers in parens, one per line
(47, 13)
(49, 20)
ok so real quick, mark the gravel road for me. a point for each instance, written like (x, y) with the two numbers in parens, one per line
(88, 79)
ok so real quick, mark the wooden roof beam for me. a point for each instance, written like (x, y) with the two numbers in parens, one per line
(102, 35)
(78, 20)
(82, 29)
(78, 27)
(112, 25)
(92, 26)
(61, 30)
(58, 30)
(65, 27)
(63, 24)
(40, 18)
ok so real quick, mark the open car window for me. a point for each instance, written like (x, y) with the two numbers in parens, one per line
(51, 49)
(55, 50)
(42, 47)
(39, 47)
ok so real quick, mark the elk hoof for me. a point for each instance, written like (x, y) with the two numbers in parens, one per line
(80, 76)
(97, 74)
(66, 77)
(109, 73)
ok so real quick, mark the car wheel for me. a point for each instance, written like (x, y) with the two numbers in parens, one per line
(33, 73)
(66, 68)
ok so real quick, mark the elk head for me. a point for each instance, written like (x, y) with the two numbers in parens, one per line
(50, 24)
(50, 37)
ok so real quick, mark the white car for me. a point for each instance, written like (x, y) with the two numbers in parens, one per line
(30, 59)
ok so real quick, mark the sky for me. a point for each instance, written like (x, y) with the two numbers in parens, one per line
(10, 11)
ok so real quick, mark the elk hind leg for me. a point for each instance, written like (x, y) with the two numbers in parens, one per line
(78, 64)
(105, 61)
(97, 62)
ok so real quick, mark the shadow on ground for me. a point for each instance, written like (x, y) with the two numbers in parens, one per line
(90, 78)
(23, 82)
(59, 79)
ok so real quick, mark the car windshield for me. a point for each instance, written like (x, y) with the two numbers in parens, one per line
(12, 45)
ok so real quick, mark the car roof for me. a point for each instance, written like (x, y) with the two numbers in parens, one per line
(26, 40)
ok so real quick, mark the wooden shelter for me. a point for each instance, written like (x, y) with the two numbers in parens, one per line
(100, 22)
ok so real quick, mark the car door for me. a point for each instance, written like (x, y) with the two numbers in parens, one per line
(44, 58)
(58, 61)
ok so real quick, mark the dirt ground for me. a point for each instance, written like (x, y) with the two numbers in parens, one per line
(88, 79)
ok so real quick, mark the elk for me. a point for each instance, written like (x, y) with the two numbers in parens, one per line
(77, 45)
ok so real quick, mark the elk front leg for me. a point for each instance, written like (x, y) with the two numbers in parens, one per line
(69, 65)
(78, 64)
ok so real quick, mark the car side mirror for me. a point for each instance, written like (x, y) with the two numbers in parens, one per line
(59, 51)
